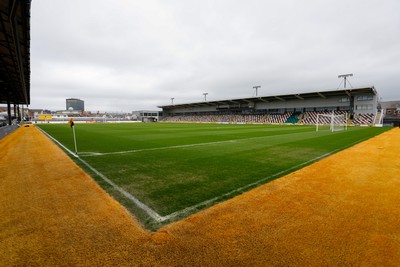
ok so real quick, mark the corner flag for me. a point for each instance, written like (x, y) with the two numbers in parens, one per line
(71, 122)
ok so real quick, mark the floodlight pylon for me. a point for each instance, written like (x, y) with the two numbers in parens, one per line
(344, 76)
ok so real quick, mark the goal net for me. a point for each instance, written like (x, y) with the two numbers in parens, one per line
(331, 122)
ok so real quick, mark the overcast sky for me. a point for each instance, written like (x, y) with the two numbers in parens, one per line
(124, 55)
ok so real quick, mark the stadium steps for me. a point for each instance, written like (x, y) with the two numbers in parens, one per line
(293, 118)
(378, 118)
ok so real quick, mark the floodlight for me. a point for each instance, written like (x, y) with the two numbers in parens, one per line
(256, 87)
(205, 96)
(344, 76)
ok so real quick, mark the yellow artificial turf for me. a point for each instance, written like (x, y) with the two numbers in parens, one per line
(341, 211)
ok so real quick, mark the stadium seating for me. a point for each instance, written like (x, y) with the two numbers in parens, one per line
(233, 118)
(307, 118)
(363, 119)
(293, 118)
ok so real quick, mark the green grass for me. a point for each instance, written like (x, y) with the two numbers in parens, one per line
(175, 166)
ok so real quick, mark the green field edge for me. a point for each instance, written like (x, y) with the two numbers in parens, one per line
(150, 224)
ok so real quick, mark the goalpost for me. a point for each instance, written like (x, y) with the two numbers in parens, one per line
(331, 122)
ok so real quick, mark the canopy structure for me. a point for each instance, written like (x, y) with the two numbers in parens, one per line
(15, 51)
(278, 98)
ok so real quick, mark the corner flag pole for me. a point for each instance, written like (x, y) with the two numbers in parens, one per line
(76, 149)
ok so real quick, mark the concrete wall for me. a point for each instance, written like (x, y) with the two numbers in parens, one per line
(6, 130)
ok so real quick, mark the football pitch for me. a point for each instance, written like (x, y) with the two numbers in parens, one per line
(162, 172)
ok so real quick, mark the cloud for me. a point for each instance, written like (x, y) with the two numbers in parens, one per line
(138, 54)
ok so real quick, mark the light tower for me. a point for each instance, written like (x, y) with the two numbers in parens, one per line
(256, 87)
(344, 76)
(205, 97)
(172, 100)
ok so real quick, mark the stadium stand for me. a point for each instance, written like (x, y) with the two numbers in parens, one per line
(363, 119)
(294, 118)
(359, 104)
(231, 118)
(15, 55)
(390, 111)
(306, 118)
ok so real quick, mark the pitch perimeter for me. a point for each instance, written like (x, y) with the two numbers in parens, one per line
(170, 182)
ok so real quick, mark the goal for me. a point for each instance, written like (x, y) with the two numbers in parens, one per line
(331, 122)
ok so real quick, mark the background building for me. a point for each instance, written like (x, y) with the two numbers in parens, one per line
(146, 115)
(75, 104)
(391, 110)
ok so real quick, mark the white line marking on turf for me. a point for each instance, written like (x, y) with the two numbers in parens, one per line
(213, 200)
(92, 154)
(154, 215)
(138, 203)
(55, 140)
(177, 213)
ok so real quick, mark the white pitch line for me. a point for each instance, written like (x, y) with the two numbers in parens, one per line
(213, 200)
(154, 215)
(94, 154)
(185, 210)
(55, 140)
